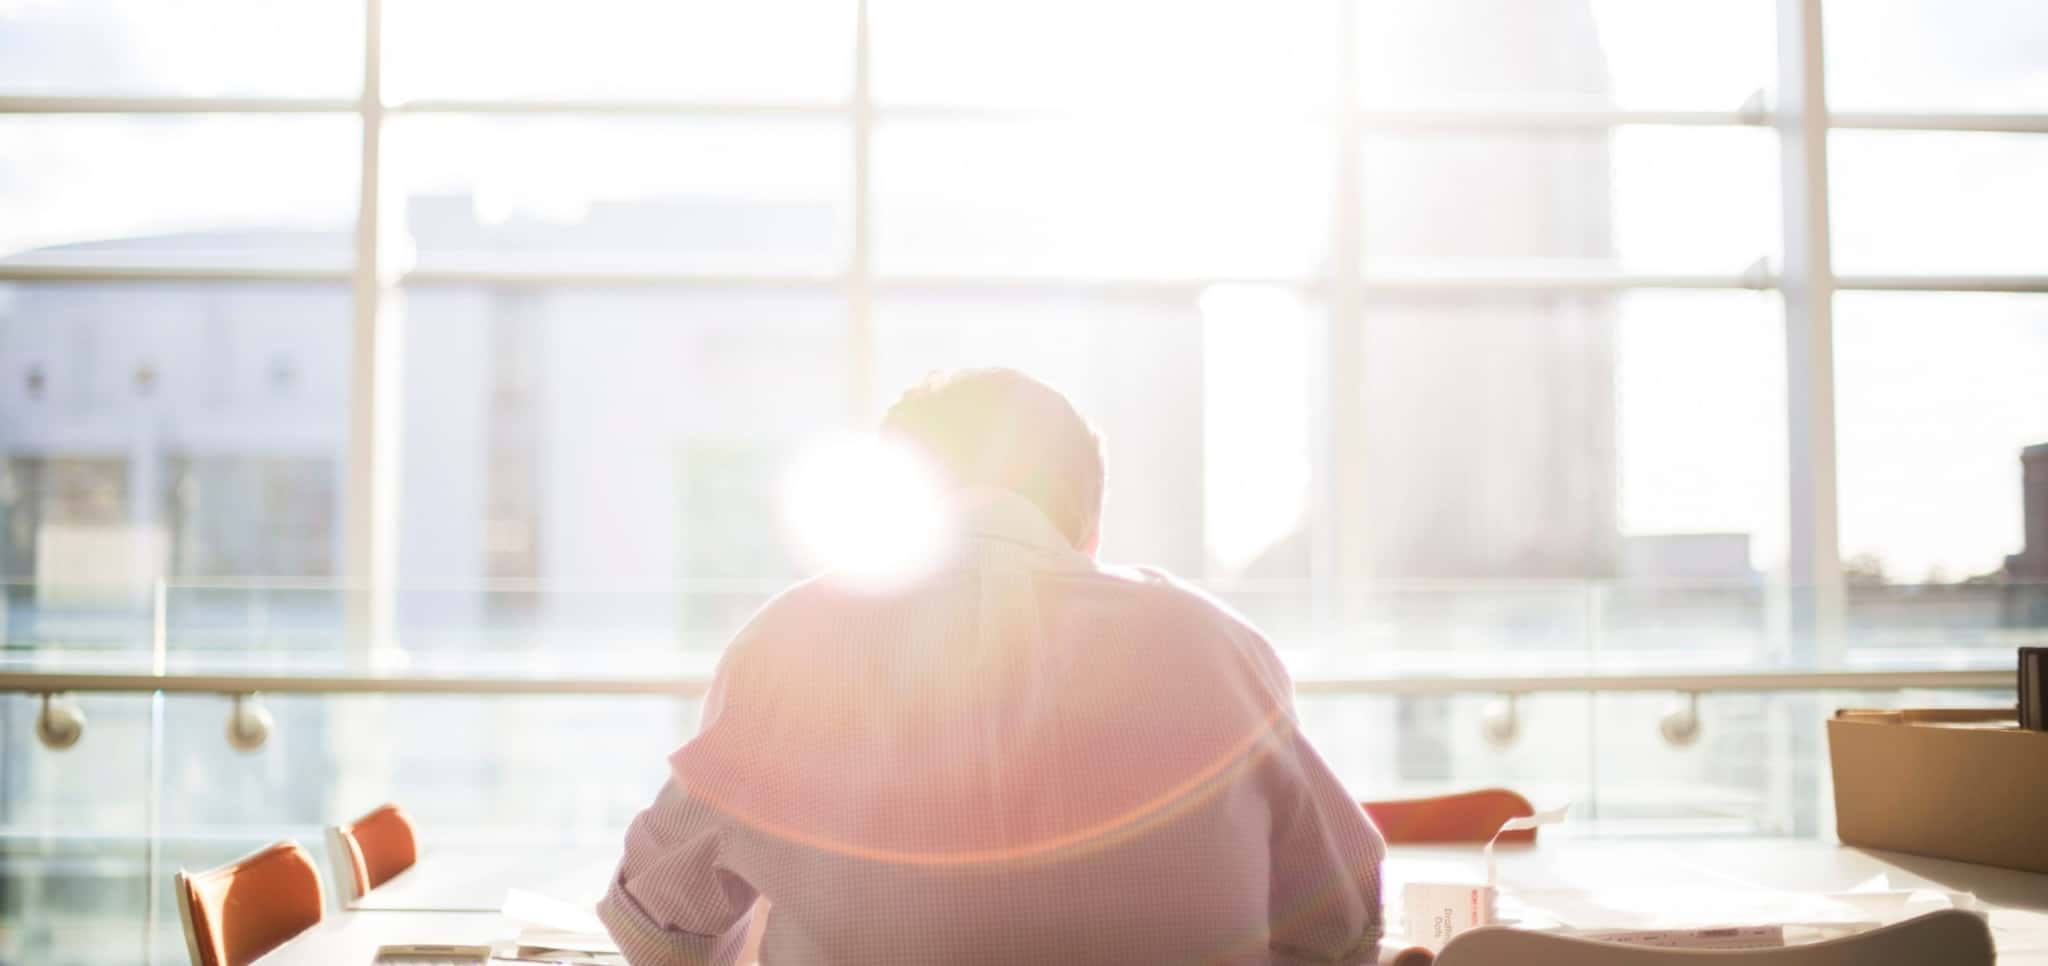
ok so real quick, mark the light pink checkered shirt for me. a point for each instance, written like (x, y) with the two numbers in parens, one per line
(1026, 758)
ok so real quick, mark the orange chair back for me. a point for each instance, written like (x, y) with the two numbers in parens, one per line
(249, 907)
(379, 845)
(1463, 817)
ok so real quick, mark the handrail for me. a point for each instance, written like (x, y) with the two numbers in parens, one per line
(1689, 681)
(1496, 114)
(54, 682)
(215, 683)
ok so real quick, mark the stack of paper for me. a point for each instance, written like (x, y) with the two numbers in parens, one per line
(554, 931)
(1702, 917)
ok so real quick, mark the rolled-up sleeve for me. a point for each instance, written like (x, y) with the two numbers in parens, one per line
(1326, 859)
(1325, 877)
(671, 902)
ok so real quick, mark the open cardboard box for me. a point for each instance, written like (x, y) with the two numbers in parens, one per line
(1964, 784)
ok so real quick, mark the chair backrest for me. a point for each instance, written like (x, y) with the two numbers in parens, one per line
(238, 912)
(1950, 937)
(372, 849)
(1464, 817)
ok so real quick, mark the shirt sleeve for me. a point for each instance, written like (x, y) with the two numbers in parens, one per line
(1326, 854)
(674, 900)
(672, 903)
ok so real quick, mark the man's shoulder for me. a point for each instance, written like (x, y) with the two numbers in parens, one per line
(803, 606)
(830, 606)
(1150, 591)
(1170, 598)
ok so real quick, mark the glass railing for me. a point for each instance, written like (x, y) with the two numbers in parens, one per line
(1678, 709)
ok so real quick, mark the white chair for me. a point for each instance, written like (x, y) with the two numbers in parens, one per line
(1950, 937)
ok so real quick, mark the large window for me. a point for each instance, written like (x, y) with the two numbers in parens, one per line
(1468, 277)
(1939, 393)
(1486, 237)
(152, 429)
(1435, 335)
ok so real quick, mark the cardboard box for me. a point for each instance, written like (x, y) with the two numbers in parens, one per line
(1948, 783)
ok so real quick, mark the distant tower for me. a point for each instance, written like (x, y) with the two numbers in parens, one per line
(1487, 418)
(2031, 563)
(2026, 572)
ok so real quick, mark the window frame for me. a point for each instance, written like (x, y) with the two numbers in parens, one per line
(1806, 280)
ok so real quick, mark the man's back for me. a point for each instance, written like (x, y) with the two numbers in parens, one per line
(1022, 758)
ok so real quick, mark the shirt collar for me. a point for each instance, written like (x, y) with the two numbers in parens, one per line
(999, 525)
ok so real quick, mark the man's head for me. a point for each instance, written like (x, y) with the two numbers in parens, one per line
(1004, 429)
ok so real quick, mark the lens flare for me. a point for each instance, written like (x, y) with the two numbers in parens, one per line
(868, 510)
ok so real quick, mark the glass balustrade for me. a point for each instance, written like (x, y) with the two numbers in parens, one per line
(1408, 689)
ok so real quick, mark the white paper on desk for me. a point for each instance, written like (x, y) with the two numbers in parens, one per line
(551, 924)
(1684, 907)
(1877, 897)
(531, 910)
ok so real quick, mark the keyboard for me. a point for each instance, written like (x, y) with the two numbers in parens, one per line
(425, 955)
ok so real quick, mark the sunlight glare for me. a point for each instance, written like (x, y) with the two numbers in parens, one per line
(865, 508)
(1255, 419)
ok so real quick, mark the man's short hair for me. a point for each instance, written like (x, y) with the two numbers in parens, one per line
(1002, 428)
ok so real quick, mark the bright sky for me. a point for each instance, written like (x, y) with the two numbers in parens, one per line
(1256, 418)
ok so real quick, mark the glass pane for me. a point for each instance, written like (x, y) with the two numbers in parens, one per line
(1438, 628)
(489, 779)
(1681, 609)
(1936, 395)
(74, 867)
(1582, 448)
(1073, 52)
(1525, 385)
(559, 631)
(1699, 383)
(1630, 53)
(1649, 198)
(561, 192)
(492, 774)
(1984, 55)
(78, 627)
(218, 190)
(1924, 201)
(310, 48)
(242, 625)
(1136, 370)
(1956, 624)
(1091, 200)
(1416, 745)
(625, 438)
(182, 429)
(757, 50)
(1742, 774)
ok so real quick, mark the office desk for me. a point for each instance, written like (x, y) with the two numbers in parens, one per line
(351, 938)
(2018, 901)
(453, 896)
(475, 879)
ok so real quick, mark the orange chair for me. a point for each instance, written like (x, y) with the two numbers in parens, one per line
(1462, 817)
(244, 909)
(372, 849)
